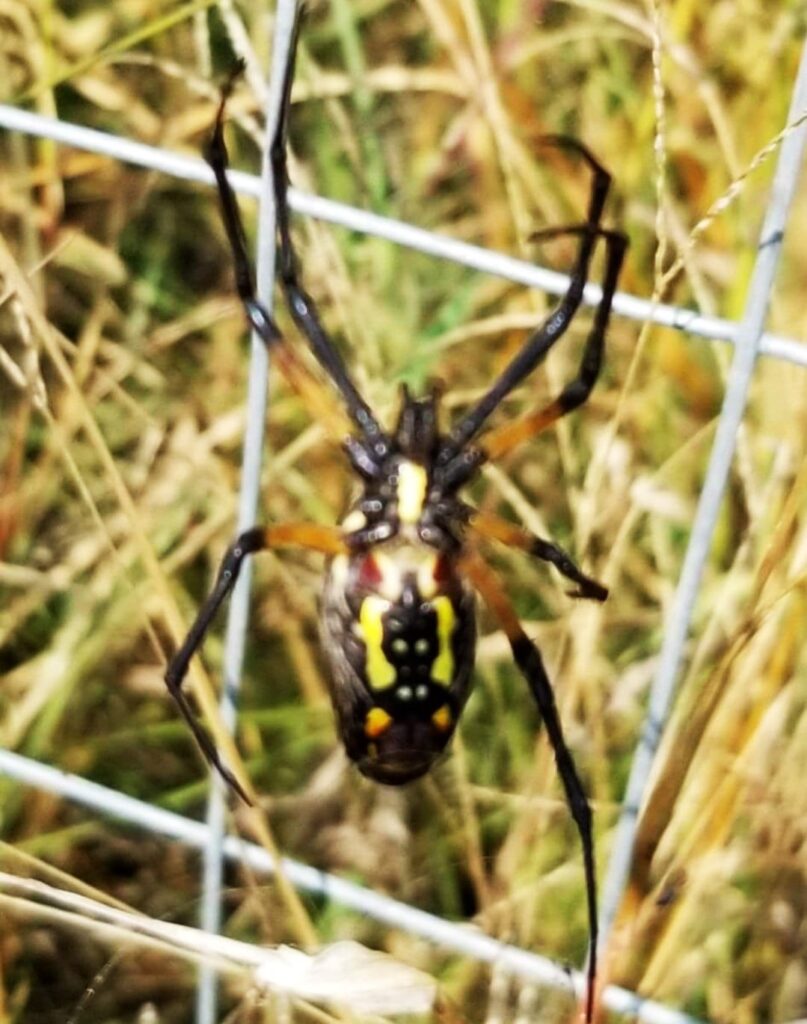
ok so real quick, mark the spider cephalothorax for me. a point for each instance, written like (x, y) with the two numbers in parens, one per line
(397, 612)
(411, 488)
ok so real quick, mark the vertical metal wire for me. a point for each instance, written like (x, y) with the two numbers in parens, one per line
(676, 631)
(238, 615)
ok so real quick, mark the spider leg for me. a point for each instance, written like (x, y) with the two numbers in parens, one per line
(301, 305)
(299, 378)
(501, 440)
(529, 661)
(514, 536)
(556, 324)
(304, 535)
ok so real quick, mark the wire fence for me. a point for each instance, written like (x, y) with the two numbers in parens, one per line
(749, 342)
(447, 935)
(249, 496)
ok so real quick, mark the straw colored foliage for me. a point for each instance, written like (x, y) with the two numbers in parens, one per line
(123, 367)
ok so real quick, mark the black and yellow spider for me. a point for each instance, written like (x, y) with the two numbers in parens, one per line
(398, 605)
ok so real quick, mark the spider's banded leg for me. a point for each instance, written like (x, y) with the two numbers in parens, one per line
(503, 439)
(529, 660)
(304, 535)
(556, 324)
(300, 303)
(516, 537)
(310, 390)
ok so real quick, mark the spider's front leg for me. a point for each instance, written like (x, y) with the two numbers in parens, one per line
(503, 439)
(301, 305)
(529, 661)
(372, 439)
(310, 536)
(553, 328)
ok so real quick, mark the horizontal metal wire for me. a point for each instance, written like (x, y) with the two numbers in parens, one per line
(458, 938)
(194, 169)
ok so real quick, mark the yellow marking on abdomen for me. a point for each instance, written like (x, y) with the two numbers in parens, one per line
(412, 484)
(441, 719)
(443, 667)
(380, 673)
(376, 723)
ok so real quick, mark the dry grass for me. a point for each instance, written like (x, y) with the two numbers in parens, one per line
(123, 373)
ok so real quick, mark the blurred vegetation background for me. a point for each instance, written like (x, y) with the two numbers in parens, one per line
(429, 111)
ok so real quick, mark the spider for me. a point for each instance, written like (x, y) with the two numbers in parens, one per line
(397, 616)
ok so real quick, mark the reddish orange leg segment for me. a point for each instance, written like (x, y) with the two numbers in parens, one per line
(513, 536)
(529, 660)
(315, 397)
(310, 536)
(508, 436)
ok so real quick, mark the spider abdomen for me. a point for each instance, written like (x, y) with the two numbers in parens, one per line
(398, 630)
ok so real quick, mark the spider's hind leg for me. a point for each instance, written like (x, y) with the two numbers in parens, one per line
(529, 661)
(310, 536)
